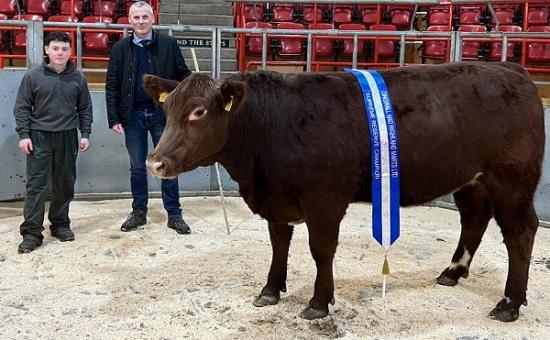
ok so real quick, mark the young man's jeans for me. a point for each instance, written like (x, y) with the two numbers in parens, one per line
(142, 122)
(53, 156)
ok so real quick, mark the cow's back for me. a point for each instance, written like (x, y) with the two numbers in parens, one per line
(309, 132)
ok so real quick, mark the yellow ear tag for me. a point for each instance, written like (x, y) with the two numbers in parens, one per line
(228, 105)
(163, 96)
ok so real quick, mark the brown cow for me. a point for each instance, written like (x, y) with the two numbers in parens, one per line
(298, 145)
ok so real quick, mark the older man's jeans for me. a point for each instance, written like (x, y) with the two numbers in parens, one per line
(141, 123)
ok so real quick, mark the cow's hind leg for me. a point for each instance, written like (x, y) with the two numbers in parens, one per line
(512, 197)
(476, 210)
(280, 235)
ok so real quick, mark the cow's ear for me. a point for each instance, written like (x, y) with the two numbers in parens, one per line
(233, 94)
(158, 88)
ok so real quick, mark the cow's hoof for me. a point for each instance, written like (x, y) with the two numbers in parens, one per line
(444, 280)
(312, 313)
(265, 300)
(504, 312)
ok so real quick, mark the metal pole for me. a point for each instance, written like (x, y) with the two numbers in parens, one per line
(213, 54)
(354, 53)
(264, 51)
(308, 60)
(402, 51)
(79, 47)
(504, 49)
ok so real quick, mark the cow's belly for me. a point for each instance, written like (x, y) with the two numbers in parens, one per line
(276, 209)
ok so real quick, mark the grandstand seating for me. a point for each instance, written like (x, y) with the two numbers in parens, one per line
(19, 41)
(96, 41)
(342, 14)
(470, 15)
(347, 44)
(435, 49)
(538, 52)
(77, 10)
(401, 16)
(323, 46)
(495, 48)
(313, 14)
(38, 7)
(384, 48)
(105, 8)
(368, 14)
(538, 15)
(438, 15)
(8, 7)
(291, 45)
(282, 13)
(471, 50)
(254, 41)
(505, 14)
(254, 12)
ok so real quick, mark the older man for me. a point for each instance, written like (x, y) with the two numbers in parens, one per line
(132, 112)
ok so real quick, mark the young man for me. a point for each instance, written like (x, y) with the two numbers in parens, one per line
(52, 102)
(131, 111)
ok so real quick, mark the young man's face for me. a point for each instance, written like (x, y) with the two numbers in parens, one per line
(58, 52)
(141, 20)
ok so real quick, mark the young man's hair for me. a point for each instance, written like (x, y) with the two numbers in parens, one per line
(141, 4)
(57, 36)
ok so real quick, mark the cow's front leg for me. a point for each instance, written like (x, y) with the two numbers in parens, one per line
(323, 227)
(280, 235)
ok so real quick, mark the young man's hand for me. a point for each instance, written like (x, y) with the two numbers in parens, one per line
(25, 145)
(84, 144)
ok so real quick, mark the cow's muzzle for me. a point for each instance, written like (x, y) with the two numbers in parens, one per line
(157, 169)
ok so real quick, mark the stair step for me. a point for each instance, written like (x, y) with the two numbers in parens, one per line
(203, 9)
(205, 53)
(205, 64)
(197, 19)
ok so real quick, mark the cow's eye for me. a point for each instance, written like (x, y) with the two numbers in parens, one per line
(198, 114)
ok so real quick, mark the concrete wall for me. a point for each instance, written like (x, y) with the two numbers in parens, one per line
(105, 167)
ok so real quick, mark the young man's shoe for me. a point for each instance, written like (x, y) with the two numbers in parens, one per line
(29, 244)
(63, 234)
(178, 224)
(136, 218)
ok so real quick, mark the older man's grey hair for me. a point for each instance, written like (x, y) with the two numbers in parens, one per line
(141, 4)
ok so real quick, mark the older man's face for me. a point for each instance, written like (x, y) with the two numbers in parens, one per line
(141, 20)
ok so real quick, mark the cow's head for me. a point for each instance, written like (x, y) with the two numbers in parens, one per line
(197, 112)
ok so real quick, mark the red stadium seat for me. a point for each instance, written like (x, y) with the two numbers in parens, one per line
(538, 52)
(282, 13)
(323, 47)
(105, 8)
(401, 16)
(291, 45)
(96, 41)
(77, 10)
(123, 21)
(8, 7)
(254, 41)
(342, 14)
(385, 48)
(38, 7)
(253, 12)
(435, 49)
(538, 15)
(438, 15)
(368, 14)
(469, 15)
(20, 36)
(495, 48)
(471, 49)
(63, 18)
(311, 14)
(347, 44)
(504, 14)
(2, 17)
